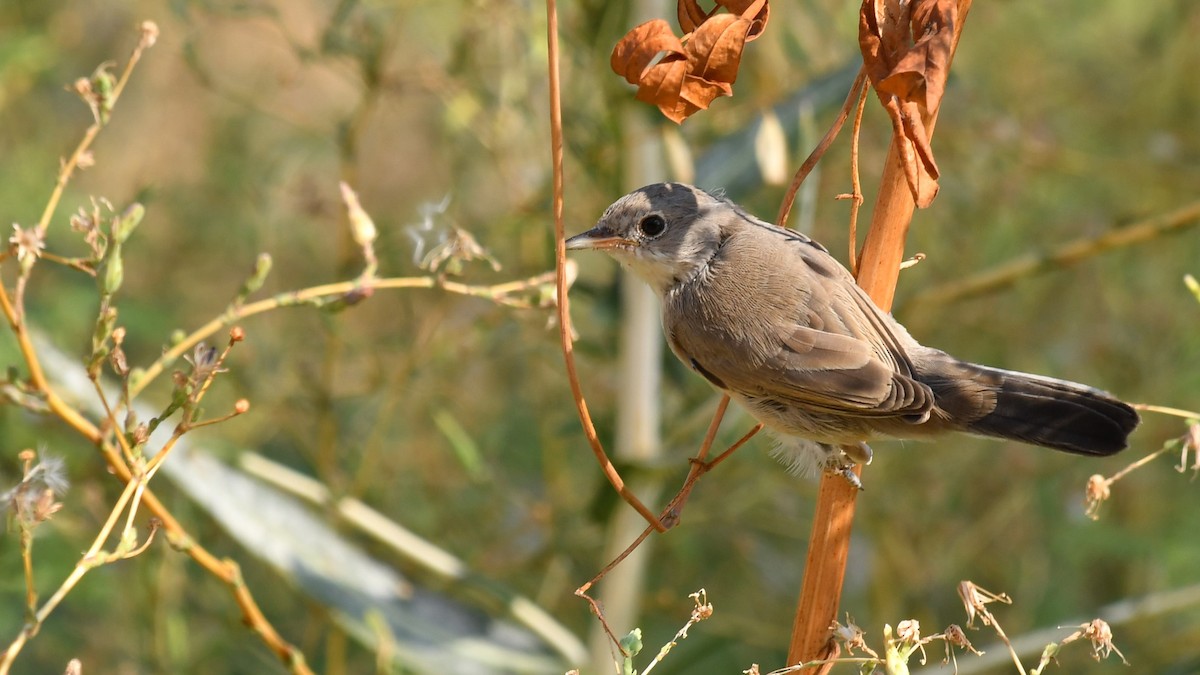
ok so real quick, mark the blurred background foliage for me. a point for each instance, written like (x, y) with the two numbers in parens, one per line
(452, 415)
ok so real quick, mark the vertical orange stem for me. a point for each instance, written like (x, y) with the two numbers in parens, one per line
(829, 542)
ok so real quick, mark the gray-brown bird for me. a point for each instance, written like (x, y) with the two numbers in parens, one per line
(768, 316)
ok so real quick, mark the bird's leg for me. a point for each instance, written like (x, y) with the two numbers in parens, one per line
(841, 460)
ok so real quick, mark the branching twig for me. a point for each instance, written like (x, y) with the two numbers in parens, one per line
(670, 514)
(502, 293)
(101, 98)
(149, 34)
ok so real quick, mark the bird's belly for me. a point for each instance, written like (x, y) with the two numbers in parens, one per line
(816, 425)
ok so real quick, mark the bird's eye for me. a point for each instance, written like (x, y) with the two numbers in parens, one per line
(652, 225)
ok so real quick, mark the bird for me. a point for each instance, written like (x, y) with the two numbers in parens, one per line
(768, 316)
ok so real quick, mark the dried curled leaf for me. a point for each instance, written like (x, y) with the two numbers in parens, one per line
(906, 48)
(691, 15)
(634, 53)
(684, 75)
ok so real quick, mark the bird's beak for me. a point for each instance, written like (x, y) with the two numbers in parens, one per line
(596, 239)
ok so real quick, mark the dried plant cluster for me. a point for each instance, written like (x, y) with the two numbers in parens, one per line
(128, 444)
(907, 48)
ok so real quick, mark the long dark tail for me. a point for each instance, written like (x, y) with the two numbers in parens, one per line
(1030, 408)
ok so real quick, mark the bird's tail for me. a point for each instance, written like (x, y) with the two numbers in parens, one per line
(1033, 409)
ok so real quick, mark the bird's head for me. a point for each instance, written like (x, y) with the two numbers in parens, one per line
(664, 233)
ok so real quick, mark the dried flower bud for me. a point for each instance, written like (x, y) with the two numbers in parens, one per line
(149, 33)
(119, 363)
(1099, 633)
(957, 637)
(909, 630)
(205, 360)
(33, 500)
(361, 225)
(140, 434)
(29, 244)
(1097, 492)
(242, 406)
(237, 334)
(457, 247)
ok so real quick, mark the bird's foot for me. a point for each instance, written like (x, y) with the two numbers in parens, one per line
(841, 460)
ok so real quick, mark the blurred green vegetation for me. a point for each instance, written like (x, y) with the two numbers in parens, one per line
(452, 415)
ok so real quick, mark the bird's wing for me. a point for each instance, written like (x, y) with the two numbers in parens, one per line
(822, 370)
(841, 354)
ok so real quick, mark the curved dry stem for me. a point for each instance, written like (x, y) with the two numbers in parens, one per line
(560, 258)
(856, 196)
(856, 91)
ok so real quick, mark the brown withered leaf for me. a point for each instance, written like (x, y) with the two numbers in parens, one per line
(920, 74)
(684, 75)
(906, 49)
(715, 50)
(640, 46)
(662, 84)
(691, 15)
(683, 86)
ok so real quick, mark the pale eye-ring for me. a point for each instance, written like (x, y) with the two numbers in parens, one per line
(652, 225)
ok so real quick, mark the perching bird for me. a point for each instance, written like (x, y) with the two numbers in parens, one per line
(769, 317)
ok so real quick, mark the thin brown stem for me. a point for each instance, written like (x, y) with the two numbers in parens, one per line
(674, 509)
(110, 414)
(856, 196)
(670, 514)
(582, 591)
(560, 280)
(856, 89)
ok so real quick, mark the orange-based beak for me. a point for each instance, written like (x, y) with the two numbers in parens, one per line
(596, 239)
